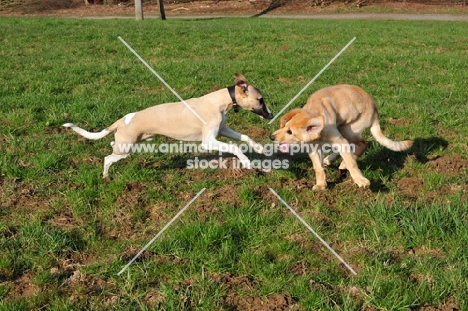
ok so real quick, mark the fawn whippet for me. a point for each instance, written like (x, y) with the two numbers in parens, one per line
(203, 120)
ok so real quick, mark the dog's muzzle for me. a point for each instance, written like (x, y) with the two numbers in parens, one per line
(263, 111)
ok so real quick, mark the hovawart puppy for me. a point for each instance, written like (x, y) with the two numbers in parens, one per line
(336, 116)
(198, 119)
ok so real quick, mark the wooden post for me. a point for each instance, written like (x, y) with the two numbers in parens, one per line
(162, 14)
(138, 10)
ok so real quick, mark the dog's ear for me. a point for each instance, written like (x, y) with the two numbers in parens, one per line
(240, 81)
(315, 125)
(284, 119)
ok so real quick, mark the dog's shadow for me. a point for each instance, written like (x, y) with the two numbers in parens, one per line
(376, 158)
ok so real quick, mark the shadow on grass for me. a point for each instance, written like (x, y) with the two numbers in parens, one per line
(387, 161)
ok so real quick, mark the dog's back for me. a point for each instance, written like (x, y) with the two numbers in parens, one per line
(342, 104)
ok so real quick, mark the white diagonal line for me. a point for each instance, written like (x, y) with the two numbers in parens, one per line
(160, 232)
(312, 81)
(162, 80)
(315, 233)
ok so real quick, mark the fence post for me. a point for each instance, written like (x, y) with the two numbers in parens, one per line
(138, 10)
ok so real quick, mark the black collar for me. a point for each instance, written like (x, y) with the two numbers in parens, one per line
(232, 93)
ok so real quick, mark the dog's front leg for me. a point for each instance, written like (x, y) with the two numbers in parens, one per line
(230, 133)
(213, 144)
(317, 162)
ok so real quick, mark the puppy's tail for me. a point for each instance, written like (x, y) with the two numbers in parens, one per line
(90, 135)
(385, 141)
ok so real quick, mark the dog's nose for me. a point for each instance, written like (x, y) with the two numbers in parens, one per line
(269, 117)
(272, 137)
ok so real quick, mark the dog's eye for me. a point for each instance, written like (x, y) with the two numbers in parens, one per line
(289, 132)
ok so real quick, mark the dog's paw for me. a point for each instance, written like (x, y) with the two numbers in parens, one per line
(362, 182)
(258, 148)
(319, 187)
(246, 164)
(326, 162)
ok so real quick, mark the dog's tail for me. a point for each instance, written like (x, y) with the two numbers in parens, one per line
(94, 136)
(385, 141)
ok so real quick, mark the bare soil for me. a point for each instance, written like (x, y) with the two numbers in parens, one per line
(292, 8)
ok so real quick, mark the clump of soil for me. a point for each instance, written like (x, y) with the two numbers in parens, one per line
(240, 295)
(449, 164)
(411, 186)
(450, 305)
(275, 302)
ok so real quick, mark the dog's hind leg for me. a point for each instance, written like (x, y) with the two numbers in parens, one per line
(358, 147)
(330, 158)
(109, 160)
(356, 144)
(147, 137)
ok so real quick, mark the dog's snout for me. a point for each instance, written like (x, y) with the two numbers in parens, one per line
(269, 116)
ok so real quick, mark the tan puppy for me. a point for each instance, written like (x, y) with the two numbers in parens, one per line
(197, 119)
(334, 117)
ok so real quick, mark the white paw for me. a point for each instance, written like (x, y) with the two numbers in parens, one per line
(319, 187)
(362, 182)
(258, 148)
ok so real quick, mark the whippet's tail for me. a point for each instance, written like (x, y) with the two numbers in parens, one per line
(94, 136)
(385, 141)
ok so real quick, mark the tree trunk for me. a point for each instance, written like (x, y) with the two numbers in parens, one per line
(162, 14)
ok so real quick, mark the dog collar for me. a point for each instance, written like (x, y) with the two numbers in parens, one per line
(232, 93)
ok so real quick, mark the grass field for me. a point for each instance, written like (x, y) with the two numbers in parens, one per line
(65, 233)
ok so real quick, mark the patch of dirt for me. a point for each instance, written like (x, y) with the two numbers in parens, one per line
(231, 282)
(156, 299)
(301, 268)
(450, 305)
(423, 250)
(445, 190)
(65, 220)
(21, 197)
(447, 164)
(133, 195)
(275, 302)
(23, 287)
(402, 121)
(87, 284)
(240, 294)
(235, 301)
(411, 186)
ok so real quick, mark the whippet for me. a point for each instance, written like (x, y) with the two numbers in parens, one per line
(335, 115)
(197, 119)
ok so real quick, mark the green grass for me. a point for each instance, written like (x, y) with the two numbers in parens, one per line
(65, 233)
